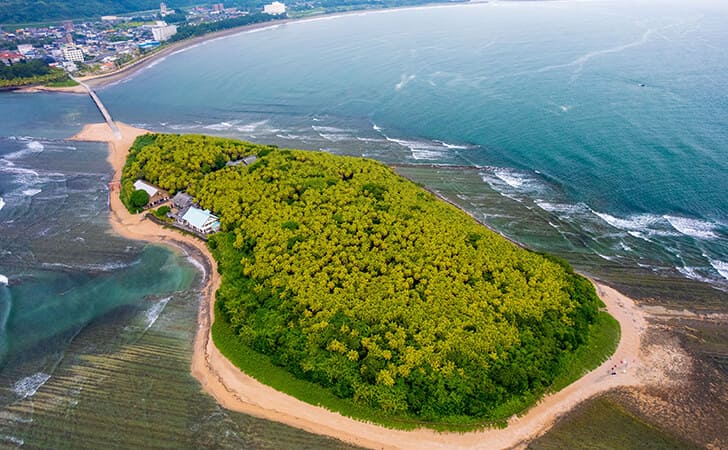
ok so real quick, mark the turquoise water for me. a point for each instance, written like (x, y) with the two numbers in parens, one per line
(608, 116)
(596, 130)
(96, 331)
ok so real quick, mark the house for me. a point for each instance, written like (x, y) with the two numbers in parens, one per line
(10, 58)
(156, 195)
(201, 220)
(248, 160)
(182, 201)
(275, 8)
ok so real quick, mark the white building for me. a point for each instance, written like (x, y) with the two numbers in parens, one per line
(162, 31)
(72, 54)
(275, 8)
(25, 48)
(201, 220)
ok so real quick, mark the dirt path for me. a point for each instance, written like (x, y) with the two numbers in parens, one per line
(237, 391)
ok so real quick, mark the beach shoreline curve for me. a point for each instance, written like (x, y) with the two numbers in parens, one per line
(238, 392)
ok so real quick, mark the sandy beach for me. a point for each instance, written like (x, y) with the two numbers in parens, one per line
(239, 392)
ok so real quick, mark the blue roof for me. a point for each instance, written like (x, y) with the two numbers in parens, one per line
(197, 217)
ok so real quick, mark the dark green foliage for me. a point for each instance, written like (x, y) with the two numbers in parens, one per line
(138, 199)
(31, 72)
(29, 11)
(188, 31)
(355, 279)
(162, 212)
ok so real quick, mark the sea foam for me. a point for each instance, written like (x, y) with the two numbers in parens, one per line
(28, 386)
(692, 227)
(2, 203)
(721, 267)
(155, 311)
(3, 280)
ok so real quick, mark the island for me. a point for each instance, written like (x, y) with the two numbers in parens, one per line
(394, 306)
(276, 394)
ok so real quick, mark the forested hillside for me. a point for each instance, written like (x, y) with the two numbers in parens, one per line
(29, 11)
(352, 277)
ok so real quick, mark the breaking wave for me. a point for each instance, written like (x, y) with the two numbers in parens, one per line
(692, 227)
(28, 386)
(154, 312)
(721, 267)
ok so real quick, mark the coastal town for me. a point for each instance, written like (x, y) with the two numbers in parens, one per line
(108, 43)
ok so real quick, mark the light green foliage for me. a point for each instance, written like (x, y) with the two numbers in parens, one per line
(173, 162)
(356, 279)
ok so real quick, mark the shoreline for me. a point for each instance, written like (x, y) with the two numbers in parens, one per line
(236, 391)
(115, 76)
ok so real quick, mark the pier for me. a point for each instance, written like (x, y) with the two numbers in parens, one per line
(102, 109)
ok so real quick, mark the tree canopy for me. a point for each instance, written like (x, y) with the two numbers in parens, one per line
(352, 277)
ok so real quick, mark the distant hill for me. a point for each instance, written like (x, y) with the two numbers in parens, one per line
(29, 11)
(34, 11)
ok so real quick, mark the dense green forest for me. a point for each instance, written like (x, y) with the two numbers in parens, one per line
(187, 31)
(356, 279)
(31, 11)
(29, 73)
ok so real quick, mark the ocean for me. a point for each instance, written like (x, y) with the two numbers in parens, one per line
(595, 130)
(605, 120)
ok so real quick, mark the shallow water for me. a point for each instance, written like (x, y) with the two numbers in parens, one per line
(566, 152)
(96, 331)
(568, 108)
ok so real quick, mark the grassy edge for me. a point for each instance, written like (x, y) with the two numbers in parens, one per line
(603, 340)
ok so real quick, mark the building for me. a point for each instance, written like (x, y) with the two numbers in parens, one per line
(201, 220)
(156, 195)
(24, 49)
(182, 200)
(163, 32)
(275, 8)
(10, 58)
(248, 160)
(72, 54)
(68, 26)
(218, 7)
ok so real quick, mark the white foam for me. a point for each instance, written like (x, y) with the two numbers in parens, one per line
(12, 439)
(30, 147)
(633, 223)
(155, 311)
(692, 227)
(31, 192)
(510, 177)
(691, 272)
(4, 280)
(564, 208)
(721, 267)
(2, 203)
(320, 129)
(252, 127)
(375, 127)
(404, 81)
(453, 146)
(293, 137)
(219, 126)
(28, 386)
(198, 265)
